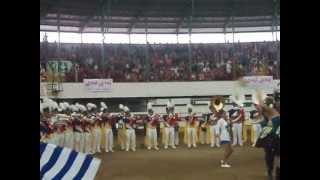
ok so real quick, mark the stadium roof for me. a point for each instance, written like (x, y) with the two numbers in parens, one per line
(159, 16)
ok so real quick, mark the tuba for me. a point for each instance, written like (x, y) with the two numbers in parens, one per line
(216, 103)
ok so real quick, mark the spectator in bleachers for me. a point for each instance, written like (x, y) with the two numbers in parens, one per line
(166, 62)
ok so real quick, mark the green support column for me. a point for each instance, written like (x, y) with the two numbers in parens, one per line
(129, 47)
(276, 4)
(58, 28)
(232, 29)
(147, 59)
(189, 44)
(103, 38)
(190, 30)
(104, 29)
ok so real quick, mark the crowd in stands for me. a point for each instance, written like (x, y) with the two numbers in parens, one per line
(164, 62)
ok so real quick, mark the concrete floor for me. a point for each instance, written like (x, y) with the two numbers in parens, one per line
(182, 163)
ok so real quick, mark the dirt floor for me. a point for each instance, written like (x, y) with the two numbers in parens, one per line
(182, 163)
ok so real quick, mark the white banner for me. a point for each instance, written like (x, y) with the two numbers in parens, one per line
(258, 81)
(97, 85)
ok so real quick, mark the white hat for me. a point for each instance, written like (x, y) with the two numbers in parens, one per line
(62, 106)
(91, 106)
(149, 105)
(49, 103)
(237, 99)
(126, 109)
(103, 106)
(121, 106)
(189, 107)
(74, 108)
(170, 104)
(81, 107)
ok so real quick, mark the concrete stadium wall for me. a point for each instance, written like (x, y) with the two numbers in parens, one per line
(157, 89)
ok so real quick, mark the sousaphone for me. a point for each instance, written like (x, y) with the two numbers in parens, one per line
(216, 103)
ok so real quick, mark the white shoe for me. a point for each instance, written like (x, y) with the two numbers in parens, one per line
(241, 145)
(173, 147)
(149, 148)
(133, 149)
(107, 151)
(253, 145)
(189, 146)
(225, 166)
(212, 146)
(166, 147)
(127, 150)
(111, 150)
(156, 148)
(194, 146)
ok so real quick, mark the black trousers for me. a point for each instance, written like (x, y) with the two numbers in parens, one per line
(269, 159)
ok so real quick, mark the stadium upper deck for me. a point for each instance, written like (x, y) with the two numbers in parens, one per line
(154, 16)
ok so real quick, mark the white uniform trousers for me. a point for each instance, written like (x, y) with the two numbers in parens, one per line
(109, 140)
(130, 139)
(176, 137)
(152, 137)
(82, 142)
(191, 136)
(214, 139)
(68, 139)
(52, 139)
(77, 140)
(256, 132)
(60, 139)
(169, 133)
(202, 136)
(97, 140)
(237, 134)
(88, 142)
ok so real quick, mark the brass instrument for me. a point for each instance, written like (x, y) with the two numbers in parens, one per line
(216, 103)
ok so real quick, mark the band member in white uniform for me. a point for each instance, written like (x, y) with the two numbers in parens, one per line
(256, 125)
(68, 140)
(121, 128)
(130, 131)
(152, 136)
(78, 134)
(176, 129)
(191, 129)
(212, 126)
(212, 121)
(203, 131)
(88, 135)
(169, 125)
(107, 126)
(237, 119)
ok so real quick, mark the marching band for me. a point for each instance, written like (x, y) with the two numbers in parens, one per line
(88, 129)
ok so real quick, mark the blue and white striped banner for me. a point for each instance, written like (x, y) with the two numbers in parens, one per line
(63, 163)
